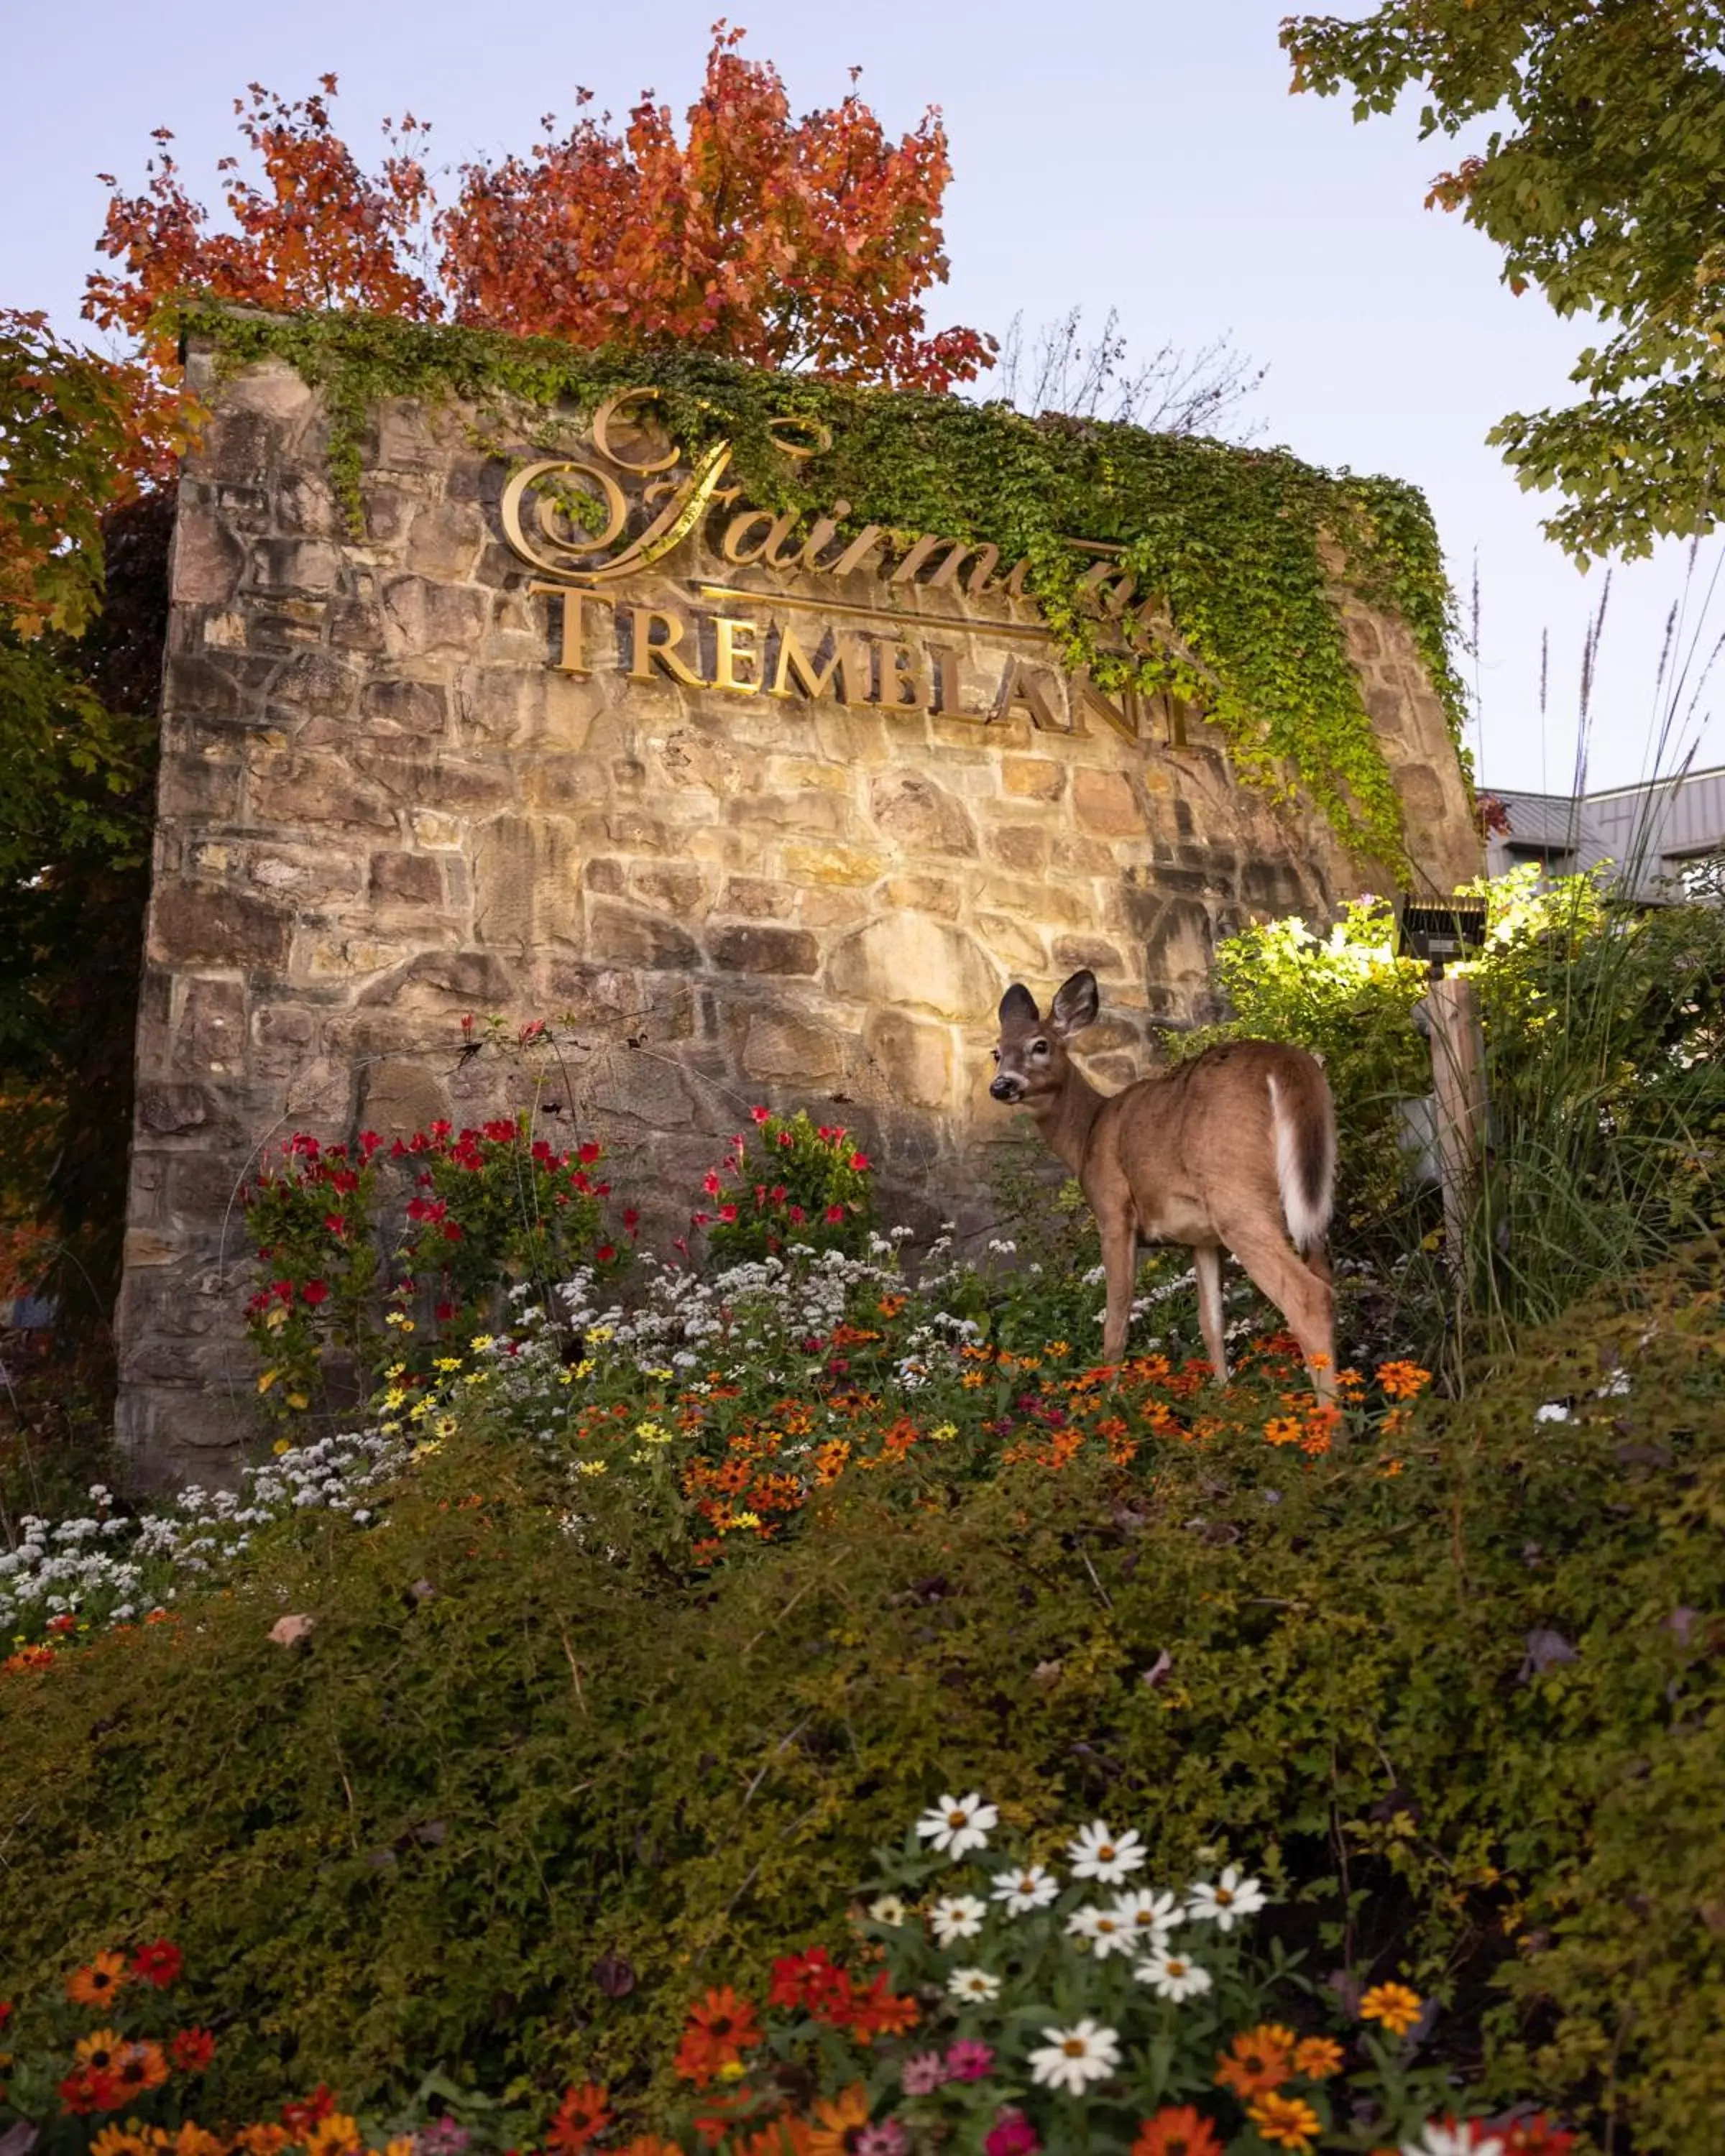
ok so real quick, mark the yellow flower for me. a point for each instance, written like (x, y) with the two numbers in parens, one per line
(566, 1376)
(428, 1450)
(944, 1432)
(481, 1342)
(595, 1333)
(971, 1380)
(664, 1377)
(743, 1519)
(396, 1370)
(1394, 2004)
(418, 1411)
(400, 1321)
(593, 1467)
(444, 1425)
(447, 1362)
(1287, 2120)
(100, 2050)
(1057, 1348)
(281, 1444)
(584, 1367)
(395, 1398)
(127, 2140)
(334, 2136)
(650, 1433)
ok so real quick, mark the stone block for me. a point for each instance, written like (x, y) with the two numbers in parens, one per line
(306, 505)
(1023, 847)
(167, 1110)
(208, 558)
(1017, 944)
(758, 900)
(221, 687)
(626, 937)
(420, 709)
(757, 948)
(832, 865)
(397, 1098)
(303, 793)
(195, 924)
(1032, 777)
(1094, 952)
(412, 878)
(310, 568)
(282, 1035)
(925, 965)
(914, 1061)
(675, 887)
(445, 539)
(920, 816)
(210, 1036)
(421, 617)
(316, 683)
(1105, 802)
(938, 896)
(779, 1045)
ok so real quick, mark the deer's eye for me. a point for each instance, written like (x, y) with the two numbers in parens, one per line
(1039, 1047)
(995, 1053)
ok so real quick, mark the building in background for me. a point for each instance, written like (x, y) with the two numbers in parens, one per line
(1658, 834)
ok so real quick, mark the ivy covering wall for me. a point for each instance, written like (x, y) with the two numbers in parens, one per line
(1247, 548)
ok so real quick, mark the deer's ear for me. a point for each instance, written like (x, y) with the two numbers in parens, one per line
(1018, 1007)
(1075, 1005)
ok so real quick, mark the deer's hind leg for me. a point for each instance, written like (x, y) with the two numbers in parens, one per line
(1119, 1231)
(1207, 1264)
(1296, 1289)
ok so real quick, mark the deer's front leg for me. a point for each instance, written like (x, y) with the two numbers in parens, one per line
(1119, 1261)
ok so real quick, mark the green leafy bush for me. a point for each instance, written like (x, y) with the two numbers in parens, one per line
(788, 1181)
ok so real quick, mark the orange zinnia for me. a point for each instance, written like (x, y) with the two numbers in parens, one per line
(835, 2119)
(1394, 2005)
(96, 1984)
(143, 2067)
(120, 2141)
(101, 2050)
(191, 2140)
(1261, 2058)
(583, 2114)
(1177, 2130)
(1317, 2057)
(1289, 2120)
(333, 2135)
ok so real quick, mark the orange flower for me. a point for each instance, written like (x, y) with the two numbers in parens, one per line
(1261, 2059)
(1403, 1381)
(335, 2135)
(835, 2119)
(1394, 2004)
(1289, 2120)
(127, 2140)
(649, 2144)
(263, 2140)
(1177, 2130)
(583, 2114)
(191, 2049)
(101, 2050)
(96, 1984)
(878, 2012)
(721, 2028)
(143, 2068)
(1317, 2057)
(191, 2140)
(1284, 1429)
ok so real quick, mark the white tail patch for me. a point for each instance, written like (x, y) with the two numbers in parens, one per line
(1307, 1212)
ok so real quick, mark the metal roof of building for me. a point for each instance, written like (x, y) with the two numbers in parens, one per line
(1649, 830)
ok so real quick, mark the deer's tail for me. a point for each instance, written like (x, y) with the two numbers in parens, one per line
(1304, 1117)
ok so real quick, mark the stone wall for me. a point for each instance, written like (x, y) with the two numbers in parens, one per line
(387, 802)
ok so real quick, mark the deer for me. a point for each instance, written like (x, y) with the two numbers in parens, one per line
(1233, 1150)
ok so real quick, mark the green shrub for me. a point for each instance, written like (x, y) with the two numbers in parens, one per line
(528, 1784)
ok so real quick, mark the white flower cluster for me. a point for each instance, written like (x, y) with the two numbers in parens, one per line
(108, 1568)
(1138, 1922)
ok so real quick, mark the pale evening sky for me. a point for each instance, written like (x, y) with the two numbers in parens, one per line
(1145, 157)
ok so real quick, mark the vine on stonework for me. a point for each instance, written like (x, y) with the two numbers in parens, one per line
(1248, 549)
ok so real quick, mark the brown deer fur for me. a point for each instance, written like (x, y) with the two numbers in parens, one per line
(1234, 1150)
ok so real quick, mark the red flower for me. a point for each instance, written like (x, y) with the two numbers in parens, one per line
(881, 2012)
(710, 1183)
(157, 1962)
(1538, 2137)
(90, 2091)
(5, 2012)
(314, 1291)
(588, 1153)
(303, 2116)
(65, 1623)
(785, 1138)
(438, 1130)
(583, 2114)
(336, 1223)
(812, 1981)
(452, 1233)
(604, 1253)
(369, 1142)
(191, 2049)
(727, 1213)
(797, 1215)
(1012, 2135)
(859, 1162)
(759, 1116)
(444, 1312)
(631, 1219)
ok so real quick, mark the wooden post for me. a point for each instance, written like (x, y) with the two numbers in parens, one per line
(1458, 1072)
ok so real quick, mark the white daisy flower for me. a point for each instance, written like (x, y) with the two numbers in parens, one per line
(1148, 1913)
(956, 1916)
(1032, 1888)
(1097, 1853)
(1105, 1930)
(888, 1910)
(1439, 2140)
(956, 1825)
(974, 1986)
(1223, 1904)
(1074, 2057)
(1171, 1975)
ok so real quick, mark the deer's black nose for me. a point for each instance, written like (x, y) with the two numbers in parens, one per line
(1004, 1088)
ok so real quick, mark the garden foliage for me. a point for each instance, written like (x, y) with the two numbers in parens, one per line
(542, 1765)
